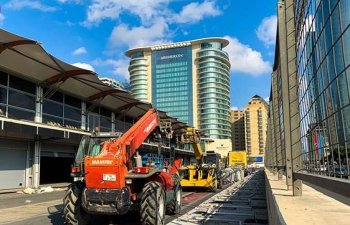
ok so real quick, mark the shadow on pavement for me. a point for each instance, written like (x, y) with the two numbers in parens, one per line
(132, 218)
(55, 214)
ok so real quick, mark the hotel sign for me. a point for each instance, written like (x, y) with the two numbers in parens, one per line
(171, 56)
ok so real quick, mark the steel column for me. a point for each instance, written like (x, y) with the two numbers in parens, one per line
(291, 119)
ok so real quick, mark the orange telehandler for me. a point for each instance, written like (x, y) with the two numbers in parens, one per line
(109, 179)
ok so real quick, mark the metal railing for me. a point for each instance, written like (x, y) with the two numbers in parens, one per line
(311, 153)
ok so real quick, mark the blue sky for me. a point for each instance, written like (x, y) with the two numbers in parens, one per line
(96, 33)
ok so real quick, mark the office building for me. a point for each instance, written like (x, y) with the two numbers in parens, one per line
(190, 80)
(255, 123)
(310, 106)
(323, 63)
(237, 130)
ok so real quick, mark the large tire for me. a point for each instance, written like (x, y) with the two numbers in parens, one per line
(174, 206)
(214, 187)
(73, 212)
(152, 204)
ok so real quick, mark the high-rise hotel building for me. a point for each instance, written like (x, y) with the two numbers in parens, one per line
(238, 132)
(190, 81)
(255, 118)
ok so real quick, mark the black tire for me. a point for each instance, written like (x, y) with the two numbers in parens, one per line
(152, 204)
(73, 212)
(174, 206)
(220, 184)
(214, 188)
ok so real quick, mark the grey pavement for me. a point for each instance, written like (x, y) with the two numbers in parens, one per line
(15, 200)
(313, 207)
(46, 209)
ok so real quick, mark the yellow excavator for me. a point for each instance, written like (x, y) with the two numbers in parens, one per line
(201, 175)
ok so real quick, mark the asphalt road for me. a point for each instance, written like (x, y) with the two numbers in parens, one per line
(45, 209)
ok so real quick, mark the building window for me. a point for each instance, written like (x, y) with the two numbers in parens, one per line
(17, 97)
(62, 110)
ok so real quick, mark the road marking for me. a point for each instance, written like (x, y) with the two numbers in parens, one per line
(24, 212)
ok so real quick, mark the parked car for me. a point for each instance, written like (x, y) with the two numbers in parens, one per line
(339, 171)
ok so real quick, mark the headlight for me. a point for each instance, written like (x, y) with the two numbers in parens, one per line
(128, 181)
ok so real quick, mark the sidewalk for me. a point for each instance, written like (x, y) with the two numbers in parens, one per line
(11, 200)
(313, 207)
(16, 207)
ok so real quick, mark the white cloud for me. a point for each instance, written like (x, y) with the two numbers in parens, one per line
(2, 18)
(69, 1)
(146, 10)
(234, 108)
(84, 66)
(266, 31)
(246, 60)
(19, 4)
(149, 10)
(139, 36)
(79, 51)
(267, 99)
(119, 67)
(195, 12)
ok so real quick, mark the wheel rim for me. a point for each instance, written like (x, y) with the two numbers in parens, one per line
(178, 197)
(161, 207)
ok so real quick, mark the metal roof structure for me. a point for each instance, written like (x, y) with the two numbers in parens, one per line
(27, 59)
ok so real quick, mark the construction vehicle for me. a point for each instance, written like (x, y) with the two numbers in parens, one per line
(237, 158)
(201, 175)
(109, 177)
(212, 157)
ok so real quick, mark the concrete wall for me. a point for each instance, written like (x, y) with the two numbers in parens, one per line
(275, 217)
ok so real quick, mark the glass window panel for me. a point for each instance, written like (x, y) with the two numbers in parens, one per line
(3, 78)
(3, 95)
(23, 85)
(330, 64)
(346, 47)
(72, 101)
(325, 74)
(348, 77)
(20, 114)
(92, 108)
(325, 7)
(93, 121)
(343, 90)
(344, 7)
(2, 110)
(53, 108)
(346, 119)
(57, 96)
(339, 125)
(335, 97)
(21, 100)
(105, 122)
(52, 120)
(72, 113)
(75, 124)
(335, 24)
(338, 56)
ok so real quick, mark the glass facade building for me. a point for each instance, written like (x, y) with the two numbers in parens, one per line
(323, 64)
(189, 80)
(214, 90)
(172, 82)
(138, 76)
